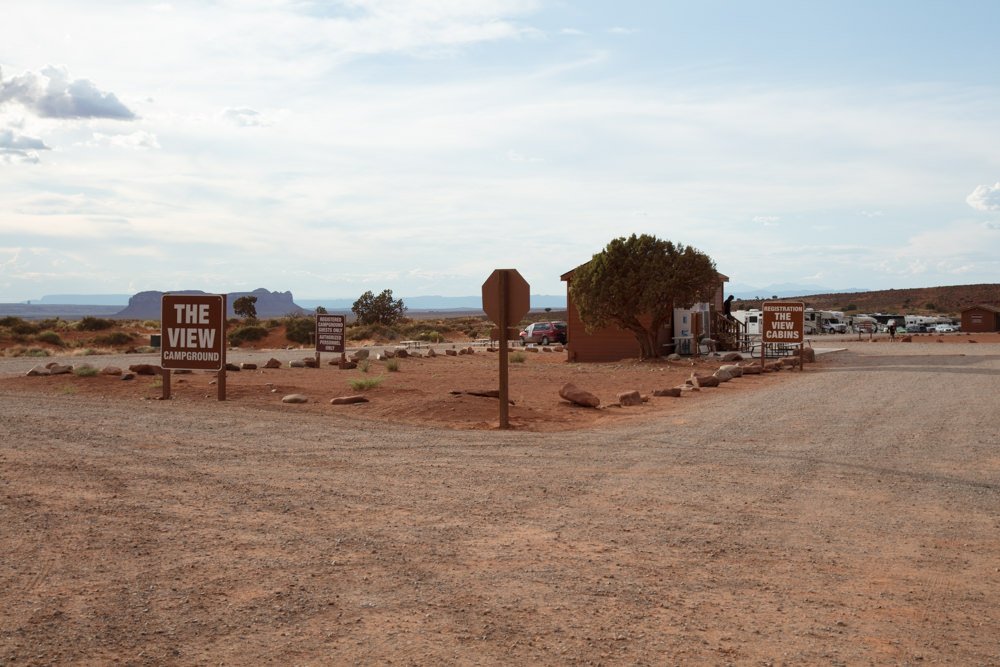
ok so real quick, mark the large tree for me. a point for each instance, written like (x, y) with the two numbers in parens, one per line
(245, 307)
(636, 282)
(381, 309)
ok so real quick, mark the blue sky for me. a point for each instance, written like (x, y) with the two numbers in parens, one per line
(328, 148)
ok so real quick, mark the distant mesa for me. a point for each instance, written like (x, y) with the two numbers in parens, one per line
(146, 305)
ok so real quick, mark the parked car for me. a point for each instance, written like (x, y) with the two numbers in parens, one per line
(945, 328)
(544, 333)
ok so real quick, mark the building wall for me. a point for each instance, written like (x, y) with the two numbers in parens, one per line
(606, 344)
(979, 319)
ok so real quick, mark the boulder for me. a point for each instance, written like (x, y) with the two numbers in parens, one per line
(59, 369)
(128, 375)
(558, 348)
(37, 371)
(111, 370)
(751, 369)
(906, 339)
(451, 353)
(673, 357)
(232, 367)
(347, 365)
(629, 398)
(673, 392)
(182, 371)
(431, 352)
(734, 370)
(272, 363)
(531, 349)
(297, 363)
(359, 355)
(732, 356)
(145, 369)
(310, 362)
(809, 355)
(703, 380)
(294, 398)
(402, 353)
(574, 394)
(723, 375)
(348, 400)
(248, 366)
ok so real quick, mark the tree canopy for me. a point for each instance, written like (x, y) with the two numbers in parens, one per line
(245, 307)
(381, 309)
(636, 282)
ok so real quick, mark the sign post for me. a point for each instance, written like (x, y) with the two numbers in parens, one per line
(782, 322)
(506, 299)
(193, 336)
(329, 334)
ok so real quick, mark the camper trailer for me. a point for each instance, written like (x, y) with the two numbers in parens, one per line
(751, 320)
(824, 321)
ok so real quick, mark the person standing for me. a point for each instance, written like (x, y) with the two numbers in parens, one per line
(892, 329)
(727, 308)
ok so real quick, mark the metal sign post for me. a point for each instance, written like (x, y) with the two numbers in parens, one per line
(506, 299)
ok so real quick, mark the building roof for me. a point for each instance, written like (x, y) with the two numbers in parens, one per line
(983, 306)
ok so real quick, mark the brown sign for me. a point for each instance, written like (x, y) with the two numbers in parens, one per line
(329, 333)
(783, 321)
(518, 297)
(193, 329)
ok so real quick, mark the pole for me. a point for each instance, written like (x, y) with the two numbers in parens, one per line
(165, 375)
(221, 376)
(504, 405)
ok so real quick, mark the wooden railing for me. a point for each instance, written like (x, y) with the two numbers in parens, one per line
(729, 334)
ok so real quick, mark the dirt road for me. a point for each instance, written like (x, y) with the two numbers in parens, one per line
(848, 514)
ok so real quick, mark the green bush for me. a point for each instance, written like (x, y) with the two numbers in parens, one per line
(85, 371)
(50, 337)
(300, 329)
(114, 339)
(371, 332)
(392, 365)
(364, 365)
(24, 328)
(517, 358)
(94, 324)
(247, 334)
(364, 384)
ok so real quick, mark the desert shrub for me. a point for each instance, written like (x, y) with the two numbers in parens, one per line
(364, 384)
(85, 371)
(364, 365)
(50, 337)
(85, 352)
(25, 328)
(21, 351)
(150, 324)
(10, 322)
(272, 323)
(431, 336)
(114, 339)
(89, 323)
(300, 328)
(517, 358)
(371, 332)
(247, 334)
(392, 365)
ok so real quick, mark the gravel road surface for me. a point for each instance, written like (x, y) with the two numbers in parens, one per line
(849, 514)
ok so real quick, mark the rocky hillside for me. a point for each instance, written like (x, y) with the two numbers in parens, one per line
(947, 300)
(146, 305)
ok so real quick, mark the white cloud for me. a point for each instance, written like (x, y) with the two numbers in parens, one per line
(991, 225)
(20, 148)
(245, 117)
(767, 220)
(52, 94)
(985, 198)
(514, 156)
(140, 140)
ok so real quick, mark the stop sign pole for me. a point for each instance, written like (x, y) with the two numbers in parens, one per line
(506, 298)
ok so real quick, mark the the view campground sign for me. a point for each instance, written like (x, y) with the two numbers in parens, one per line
(193, 329)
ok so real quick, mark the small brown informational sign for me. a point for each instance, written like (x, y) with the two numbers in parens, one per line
(783, 321)
(329, 333)
(193, 331)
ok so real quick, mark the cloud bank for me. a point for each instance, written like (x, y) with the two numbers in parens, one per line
(985, 198)
(52, 94)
